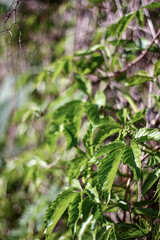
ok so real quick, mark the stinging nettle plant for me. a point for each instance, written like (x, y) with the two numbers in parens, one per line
(117, 159)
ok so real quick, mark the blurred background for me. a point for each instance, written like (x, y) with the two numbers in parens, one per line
(32, 166)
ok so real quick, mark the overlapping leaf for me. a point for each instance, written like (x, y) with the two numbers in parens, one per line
(143, 134)
(131, 156)
(57, 208)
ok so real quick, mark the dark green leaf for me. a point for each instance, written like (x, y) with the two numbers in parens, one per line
(129, 231)
(152, 177)
(74, 212)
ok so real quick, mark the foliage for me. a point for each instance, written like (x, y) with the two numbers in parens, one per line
(85, 152)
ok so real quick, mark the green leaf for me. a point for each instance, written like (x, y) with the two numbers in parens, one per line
(154, 159)
(138, 78)
(137, 116)
(109, 148)
(57, 208)
(140, 18)
(143, 134)
(147, 212)
(58, 67)
(89, 50)
(120, 26)
(75, 167)
(92, 112)
(74, 212)
(156, 232)
(156, 69)
(92, 193)
(86, 207)
(100, 98)
(83, 84)
(87, 140)
(70, 115)
(128, 231)
(152, 177)
(122, 115)
(152, 5)
(104, 132)
(131, 156)
(108, 168)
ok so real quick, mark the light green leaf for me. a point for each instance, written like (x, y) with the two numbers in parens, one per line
(139, 115)
(144, 134)
(152, 177)
(108, 168)
(74, 212)
(152, 5)
(89, 50)
(120, 26)
(138, 78)
(100, 98)
(57, 208)
(131, 156)
(156, 69)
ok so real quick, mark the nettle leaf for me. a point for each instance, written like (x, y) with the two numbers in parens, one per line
(138, 116)
(156, 69)
(74, 212)
(120, 26)
(87, 140)
(154, 159)
(138, 78)
(108, 168)
(86, 207)
(92, 193)
(56, 210)
(104, 132)
(83, 84)
(151, 179)
(143, 134)
(76, 167)
(109, 148)
(129, 231)
(131, 156)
